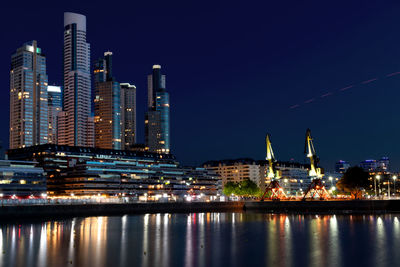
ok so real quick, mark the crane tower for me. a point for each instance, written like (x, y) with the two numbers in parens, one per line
(275, 190)
(316, 188)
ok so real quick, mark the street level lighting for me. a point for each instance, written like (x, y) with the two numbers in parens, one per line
(330, 179)
(376, 178)
(394, 184)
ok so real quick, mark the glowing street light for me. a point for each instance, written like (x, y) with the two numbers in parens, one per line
(377, 177)
(394, 184)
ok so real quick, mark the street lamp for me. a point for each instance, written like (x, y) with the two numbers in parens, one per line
(377, 177)
(394, 184)
(330, 179)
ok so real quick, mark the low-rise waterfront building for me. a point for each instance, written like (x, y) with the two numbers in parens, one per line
(85, 172)
(21, 179)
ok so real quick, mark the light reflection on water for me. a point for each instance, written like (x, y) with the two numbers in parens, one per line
(204, 239)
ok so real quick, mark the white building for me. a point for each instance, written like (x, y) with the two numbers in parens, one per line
(77, 82)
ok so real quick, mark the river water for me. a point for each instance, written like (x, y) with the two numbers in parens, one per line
(204, 239)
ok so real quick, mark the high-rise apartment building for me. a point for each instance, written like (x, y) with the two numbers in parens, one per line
(128, 116)
(54, 94)
(157, 121)
(107, 105)
(77, 83)
(28, 97)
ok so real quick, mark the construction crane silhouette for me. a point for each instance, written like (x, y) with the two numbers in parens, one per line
(275, 190)
(316, 188)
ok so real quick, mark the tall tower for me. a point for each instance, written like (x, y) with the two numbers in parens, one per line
(28, 97)
(107, 105)
(157, 120)
(77, 84)
(55, 106)
(128, 116)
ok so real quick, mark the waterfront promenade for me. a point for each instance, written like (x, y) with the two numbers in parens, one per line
(51, 210)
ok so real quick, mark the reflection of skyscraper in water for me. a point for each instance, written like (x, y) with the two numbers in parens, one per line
(157, 121)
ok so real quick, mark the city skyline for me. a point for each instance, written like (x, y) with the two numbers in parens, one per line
(221, 121)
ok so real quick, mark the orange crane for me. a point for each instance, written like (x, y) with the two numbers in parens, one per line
(276, 192)
(316, 188)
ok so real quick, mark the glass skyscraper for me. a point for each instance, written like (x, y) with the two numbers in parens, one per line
(157, 120)
(128, 116)
(28, 97)
(77, 83)
(107, 105)
(55, 107)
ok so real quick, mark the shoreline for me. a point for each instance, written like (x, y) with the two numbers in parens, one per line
(57, 211)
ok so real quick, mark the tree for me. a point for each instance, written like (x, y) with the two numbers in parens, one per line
(354, 180)
(229, 188)
(245, 188)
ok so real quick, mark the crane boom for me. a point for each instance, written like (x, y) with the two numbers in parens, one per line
(309, 150)
(272, 172)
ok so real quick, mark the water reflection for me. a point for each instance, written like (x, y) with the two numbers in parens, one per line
(204, 239)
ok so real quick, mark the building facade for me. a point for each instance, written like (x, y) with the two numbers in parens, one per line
(21, 179)
(341, 166)
(128, 116)
(236, 170)
(77, 81)
(157, 120)
(86, 172)
(54, 94)
(28, 97)
(107, 105)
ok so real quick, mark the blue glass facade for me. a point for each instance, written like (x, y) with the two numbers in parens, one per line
(28, 97)
(162, 105)
(157, 118)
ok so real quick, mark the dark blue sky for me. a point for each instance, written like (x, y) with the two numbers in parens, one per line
(234, 69)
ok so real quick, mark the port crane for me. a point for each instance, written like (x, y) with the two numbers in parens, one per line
(316, 188)
(275, 190)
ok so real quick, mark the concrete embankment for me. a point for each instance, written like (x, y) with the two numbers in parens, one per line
(59, 210)
(12, 212)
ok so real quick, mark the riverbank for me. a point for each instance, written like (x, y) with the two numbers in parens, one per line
(11, 212)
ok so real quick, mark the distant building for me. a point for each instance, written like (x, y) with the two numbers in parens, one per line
(376, 166)
(107, 105)
(157, 120)
(54, 94)
(383, 164)
(77, 82)
(235, 170)
(341, 166)
(128, 116)
(369, 165)
(28, 97)
(85, 172)
(21, 179)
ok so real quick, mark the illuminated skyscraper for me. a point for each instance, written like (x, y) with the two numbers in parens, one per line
(107, 106)
(28, 97)
(77, 84)
(157, 120)
(55, 106)
(128, 116)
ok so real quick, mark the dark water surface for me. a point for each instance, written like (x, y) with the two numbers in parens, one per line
(204, 239)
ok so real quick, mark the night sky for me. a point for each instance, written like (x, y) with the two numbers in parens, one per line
(235, 69)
